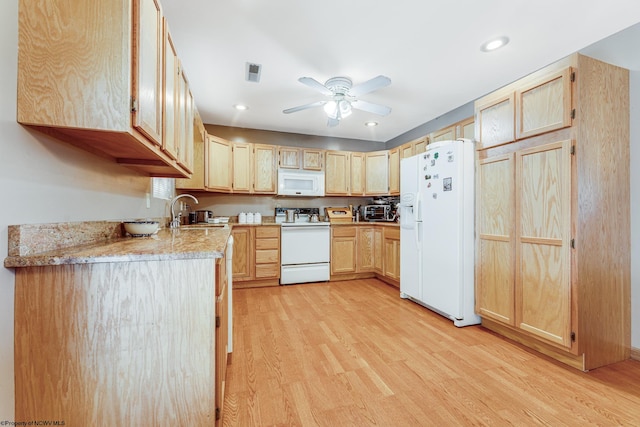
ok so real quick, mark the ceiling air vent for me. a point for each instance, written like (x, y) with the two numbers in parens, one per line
(253, 72)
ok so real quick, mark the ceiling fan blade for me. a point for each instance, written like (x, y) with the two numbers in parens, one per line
(381, 110)
(369, 86)
(332, 122)
(304, 107)
(316, 85)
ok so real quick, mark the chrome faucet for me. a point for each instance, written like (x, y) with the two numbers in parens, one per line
(175, 219)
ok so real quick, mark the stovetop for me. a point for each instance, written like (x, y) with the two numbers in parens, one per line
(303, 216)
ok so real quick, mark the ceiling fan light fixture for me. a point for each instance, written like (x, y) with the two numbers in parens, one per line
(494, 44)
(345, 108)
(331, 108)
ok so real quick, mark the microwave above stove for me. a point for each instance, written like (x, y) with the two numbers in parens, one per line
(378, 213)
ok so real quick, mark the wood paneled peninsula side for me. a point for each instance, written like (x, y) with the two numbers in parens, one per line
(113, 330)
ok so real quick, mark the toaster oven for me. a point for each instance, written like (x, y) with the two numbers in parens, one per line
(377, 213)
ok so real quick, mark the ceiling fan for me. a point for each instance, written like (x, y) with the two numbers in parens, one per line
(343, 96)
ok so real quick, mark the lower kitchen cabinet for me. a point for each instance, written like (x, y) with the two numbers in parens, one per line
(365, 250)
(392, 254)
(222, 334)
(343, 249)
(256, 255)
(118, 343)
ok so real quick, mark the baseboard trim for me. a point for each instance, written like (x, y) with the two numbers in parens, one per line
(635, 353)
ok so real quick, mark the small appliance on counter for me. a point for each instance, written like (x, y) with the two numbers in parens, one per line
(338, 215)
(200, 216)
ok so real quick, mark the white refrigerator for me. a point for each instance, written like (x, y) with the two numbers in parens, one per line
(437, 230)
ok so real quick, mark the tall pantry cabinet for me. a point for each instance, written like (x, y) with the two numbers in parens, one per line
(553, 212)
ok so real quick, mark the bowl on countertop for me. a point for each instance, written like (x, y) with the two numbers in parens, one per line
(141, 227)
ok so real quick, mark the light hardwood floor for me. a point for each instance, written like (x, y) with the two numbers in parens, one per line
(355, 354)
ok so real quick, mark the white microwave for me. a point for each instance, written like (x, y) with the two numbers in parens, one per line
(300, 183)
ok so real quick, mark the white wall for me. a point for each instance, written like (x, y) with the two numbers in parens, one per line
(44, 181)
(635, 208)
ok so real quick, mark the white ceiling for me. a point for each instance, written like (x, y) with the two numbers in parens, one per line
(429, 49)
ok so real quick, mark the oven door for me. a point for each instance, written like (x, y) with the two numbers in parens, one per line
(304, 244)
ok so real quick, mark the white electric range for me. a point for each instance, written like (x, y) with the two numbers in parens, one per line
(304, 247)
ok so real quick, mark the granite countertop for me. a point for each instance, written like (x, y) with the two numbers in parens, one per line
(367, 223)
(98, 242)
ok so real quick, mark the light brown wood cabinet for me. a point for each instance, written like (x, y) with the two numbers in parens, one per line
(392, 254)
(219, 171)
(377, 173)
(343, 249)
(534, 106)
(301, 158)
(140, 332)
(411, 148)
(552, 271)
(394, 171)
(361, 250)
(222, 334)
(445, 134)
(337, 178)
(200, 164)
(242, 180)
(256, 259)
(358, 174)
(264, 169)
(366, 251)
(117, 107)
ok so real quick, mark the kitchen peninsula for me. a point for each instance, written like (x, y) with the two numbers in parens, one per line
(114, 330)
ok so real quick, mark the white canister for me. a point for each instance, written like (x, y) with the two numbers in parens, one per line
(250, 218)
(257, 218)
(242, 218)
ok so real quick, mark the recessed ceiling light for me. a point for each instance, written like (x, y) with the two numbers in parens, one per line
(371, 124)
(240, 107)
(494, 44)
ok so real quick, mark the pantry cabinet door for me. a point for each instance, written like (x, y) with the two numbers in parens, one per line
(495, 242)
(544, 105)
(148, 69)
(495, 121)
(543, 221)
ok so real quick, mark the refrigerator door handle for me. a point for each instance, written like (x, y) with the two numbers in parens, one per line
(418, 207)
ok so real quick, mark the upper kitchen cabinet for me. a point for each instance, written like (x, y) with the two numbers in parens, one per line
(337, 177)
(264, 169)
(495, 120)
(466, 128)
(198, 177)
(242, 181)
(358, 175)
(219, 161)
(97, 83)
(301, 158)
(537, 104)
(377, 173)
(185, 123)
(544, 104)
(414, 147)
(446, 134)
(394, 171)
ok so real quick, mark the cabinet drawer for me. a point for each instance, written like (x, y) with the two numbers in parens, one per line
(266, 256)
(267, 270)
(268, 232)
(273, 243)
(343, 231)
